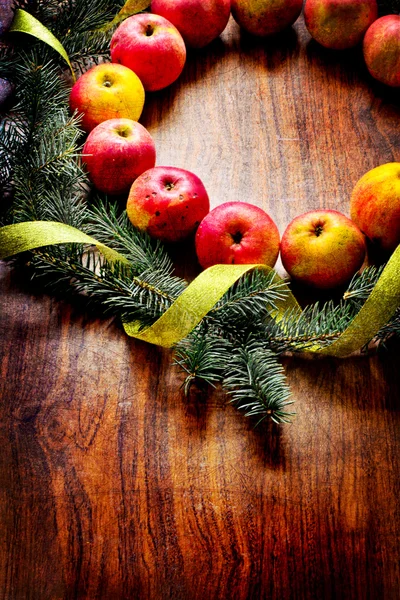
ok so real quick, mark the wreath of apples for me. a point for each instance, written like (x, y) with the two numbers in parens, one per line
(323, 249)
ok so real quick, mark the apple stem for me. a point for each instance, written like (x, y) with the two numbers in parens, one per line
(237, 237)
(318, 230)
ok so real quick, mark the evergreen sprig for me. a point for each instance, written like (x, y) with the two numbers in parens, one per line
(257, 385)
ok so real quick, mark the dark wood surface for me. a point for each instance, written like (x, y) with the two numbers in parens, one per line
(113, 485)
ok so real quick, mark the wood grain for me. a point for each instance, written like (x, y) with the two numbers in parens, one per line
(113, 485)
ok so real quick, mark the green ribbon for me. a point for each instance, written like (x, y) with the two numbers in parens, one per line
(131, 7)
(23, 22)
(203, 293)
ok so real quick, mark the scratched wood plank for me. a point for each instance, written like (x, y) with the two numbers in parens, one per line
(112, 484)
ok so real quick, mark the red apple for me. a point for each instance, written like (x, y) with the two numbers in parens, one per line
(381, 48)
(339, 24)
(266, 17)
(152, 47)
(168, 203)
(375, 205)
(237, 233)
(198, 21)
(322, 249)
(116, 153)
(107, 91)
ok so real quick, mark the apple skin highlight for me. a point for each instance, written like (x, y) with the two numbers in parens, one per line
(116, 152)
(168, 203)
(152, 47)
(375, 205)
(339, 24)
(237, 233)
(322, 249)
(107, 91)
(198, 21)
(381, 49)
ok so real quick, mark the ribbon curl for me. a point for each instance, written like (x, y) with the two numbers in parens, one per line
(204, 292)
(23, 22)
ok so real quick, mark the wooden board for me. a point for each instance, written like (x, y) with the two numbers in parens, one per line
(113, 485)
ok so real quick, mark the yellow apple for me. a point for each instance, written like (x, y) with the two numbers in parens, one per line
(375, 205)
(322, 249)
(107, 91)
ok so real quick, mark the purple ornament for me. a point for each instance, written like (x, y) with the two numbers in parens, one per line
(6, 92)
(6, 15)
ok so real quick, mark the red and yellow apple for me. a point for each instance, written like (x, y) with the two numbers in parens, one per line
(152, 47)
(237, 233)
(375, 205)
(266, 17)
(116, 152)
(339, 24)
(322, 249)
(198, 21)
(381, 49)
(107, 91)
(168, 203)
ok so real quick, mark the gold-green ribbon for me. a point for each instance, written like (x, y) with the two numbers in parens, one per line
(377, 310)
(203, 293)
(131, 7)
(195, 302)
(29, 235)
(23, 22)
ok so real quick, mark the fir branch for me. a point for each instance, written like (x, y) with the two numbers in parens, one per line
(71, 15)
(256, 382)
(315, 325)
(256, 293)
(106, 222)
(362, 284)
(202, 358)
(111, 286)
(391, 329)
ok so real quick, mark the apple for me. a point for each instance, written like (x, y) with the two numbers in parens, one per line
(152, 47)
(381, 49)
(237, 233)
(375, 205)
(266, 17)
(339, 24)
(198, 21)
(116, 152)
(107, 91)
(322, 249)
(168, 203)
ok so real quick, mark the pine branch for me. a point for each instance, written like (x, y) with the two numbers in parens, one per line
(315, 325)
(256, 382)
(255, 295)
(202, 358)
(391, 329)
(249, 373)
(68, 16)
(107, 223)
(112, 287)
(361, 286)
